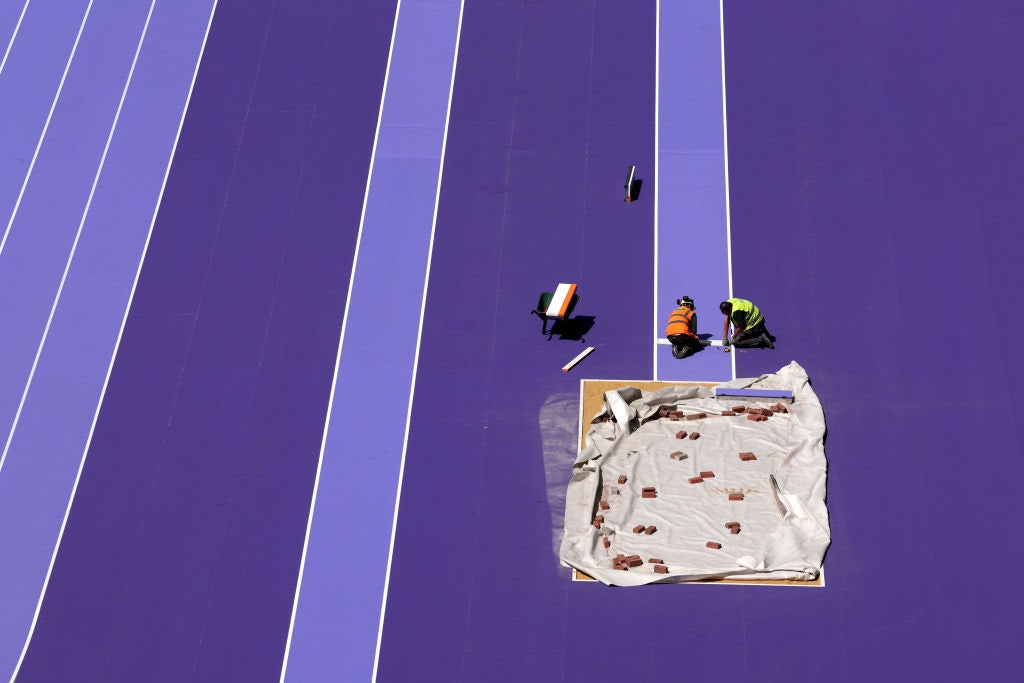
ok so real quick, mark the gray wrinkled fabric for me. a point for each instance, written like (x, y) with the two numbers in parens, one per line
(639, 443)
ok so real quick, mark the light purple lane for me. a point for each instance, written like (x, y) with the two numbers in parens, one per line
(692, 228)
(10, 13)
(31, 77)
(53, 430)
(181, 552)
(40, 241)
(339, 600)
(552, 102)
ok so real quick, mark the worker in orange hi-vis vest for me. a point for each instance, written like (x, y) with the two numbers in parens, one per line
(682, 329)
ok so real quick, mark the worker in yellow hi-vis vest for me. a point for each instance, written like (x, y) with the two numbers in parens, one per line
(749, 330)
(682, 329)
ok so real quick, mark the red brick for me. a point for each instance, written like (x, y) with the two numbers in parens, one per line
(660, 569)
(753, 416)
(747, 455)
(620, 567)
(655, 560)
(707, 475)
(693, 416)
(606, 541)
(780, 408)
(604, 505)
(597, 524)
(675, 454)
(648, 488)
(673, 418)
(650, 530)
(649, 494)
(713, 545)
(728, 413)
(681, 434)
(695, 480)
(734, 530)
(694, 436)
(739, 409)
(735, 496)
(622, 478)
(729, 525)
(638, 528)
(599, 518)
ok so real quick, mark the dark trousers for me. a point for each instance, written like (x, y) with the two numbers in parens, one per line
(757, 336)
(684, 345)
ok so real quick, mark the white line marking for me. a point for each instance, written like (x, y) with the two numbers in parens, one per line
(117, 344)
(341, 346)
(657, 177)
(419, 337)
(583, 354)
(725, 157)
(46, 126)
(10, 43)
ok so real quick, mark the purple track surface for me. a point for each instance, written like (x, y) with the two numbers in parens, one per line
(181, 550)
(875, 156)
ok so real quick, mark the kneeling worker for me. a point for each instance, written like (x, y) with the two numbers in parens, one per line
(748, 323)
(682, 329)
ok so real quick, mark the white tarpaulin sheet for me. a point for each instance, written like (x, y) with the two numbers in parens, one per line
(683, 529)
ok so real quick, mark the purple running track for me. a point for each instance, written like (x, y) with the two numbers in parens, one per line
(339, 599)
(43, 455)
(874, 163)
(873, 180)
(548, 111)
(32, 77)
(202, 462)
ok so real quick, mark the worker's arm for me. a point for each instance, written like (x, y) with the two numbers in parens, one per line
(739, 323)
(693, 324)
(725, 331)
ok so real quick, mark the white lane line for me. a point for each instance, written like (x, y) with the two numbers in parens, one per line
(124, 320)
(725, 158)
(341, 345)
(46, 126)
(657, 177)
(10, 43)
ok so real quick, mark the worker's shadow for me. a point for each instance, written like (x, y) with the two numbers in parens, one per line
(573, 329)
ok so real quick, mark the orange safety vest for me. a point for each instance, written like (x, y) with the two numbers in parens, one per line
(682, 321)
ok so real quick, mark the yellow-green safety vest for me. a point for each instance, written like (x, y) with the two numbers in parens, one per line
(754, 316)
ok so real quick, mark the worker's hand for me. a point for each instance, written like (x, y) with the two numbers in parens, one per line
(726, 342)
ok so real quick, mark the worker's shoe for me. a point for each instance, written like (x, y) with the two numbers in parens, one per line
(766, 341)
